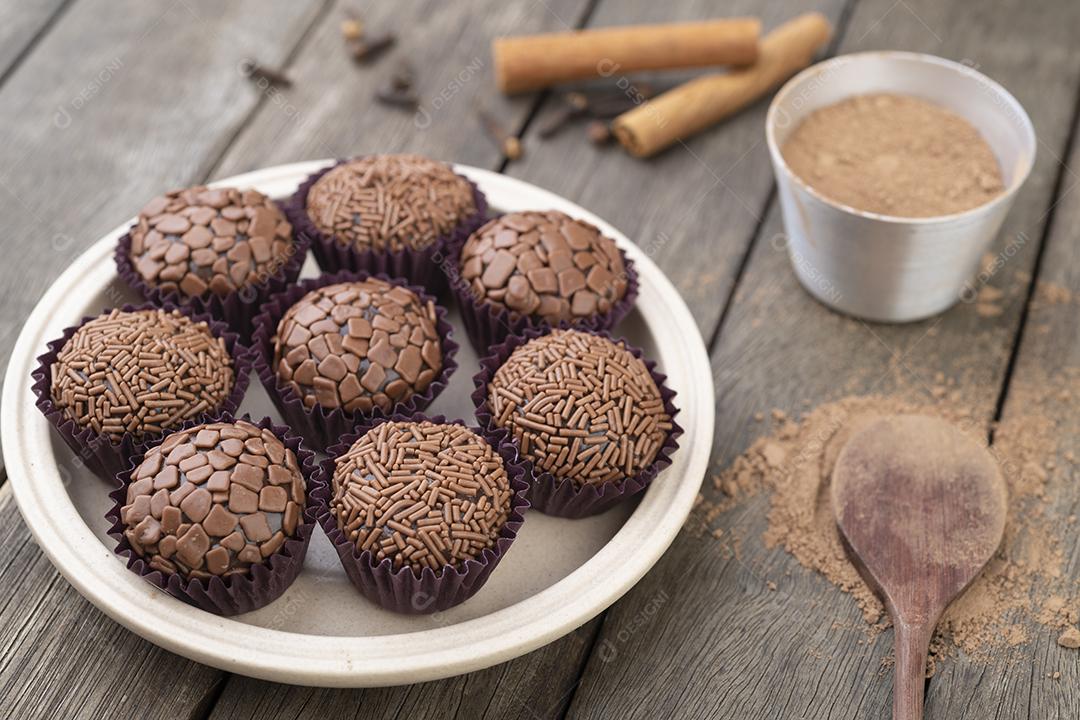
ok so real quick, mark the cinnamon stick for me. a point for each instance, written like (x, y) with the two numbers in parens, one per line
(704, 101)
(536, 61)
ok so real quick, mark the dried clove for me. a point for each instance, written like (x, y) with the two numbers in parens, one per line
(400, 98)
(364, 50)
(598, 132)
(352, 28)
(403, 76)
(573, 107)
(255, 71)
(398, 91)
(508, 144)
(599, 104)
(607, 105)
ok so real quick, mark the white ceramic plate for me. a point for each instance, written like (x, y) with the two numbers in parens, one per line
(557, 575)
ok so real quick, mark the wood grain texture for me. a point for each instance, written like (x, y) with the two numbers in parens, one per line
(97, 122)
(22, 25)
(539, 682)
(799, 651)
(538, 685)
(332, 111)
(1022, 683)
(61, 658)
(693, 208)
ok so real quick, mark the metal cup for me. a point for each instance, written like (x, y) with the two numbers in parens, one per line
(880, 267)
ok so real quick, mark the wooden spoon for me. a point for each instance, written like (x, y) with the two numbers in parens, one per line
(921, 508)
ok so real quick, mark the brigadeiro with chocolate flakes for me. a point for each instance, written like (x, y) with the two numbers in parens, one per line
(215, 513)
(392, 214)
(420, 510)
(591, 418)
(221, 250)
(128, 375)
(340, 348)
(539, 269)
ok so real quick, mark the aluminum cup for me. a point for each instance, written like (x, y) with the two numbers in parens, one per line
(880, 267)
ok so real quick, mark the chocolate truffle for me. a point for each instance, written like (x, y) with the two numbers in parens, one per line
(388, 203)
(140, 372)
(358, 345)
(213, 500)
(544, 264)
(200, 241)
(421, 494)
(580, 406)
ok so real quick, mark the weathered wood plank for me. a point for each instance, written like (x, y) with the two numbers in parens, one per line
(61, 658)
(1023, 683)
(330, 110)
(96, 122)
(725, 643)
(22, 25)
(693, 208)
(536, 685)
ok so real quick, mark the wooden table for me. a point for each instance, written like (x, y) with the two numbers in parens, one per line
(104, 103)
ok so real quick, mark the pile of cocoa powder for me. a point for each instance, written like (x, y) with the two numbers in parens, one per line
(1024, 589)
(894, 155)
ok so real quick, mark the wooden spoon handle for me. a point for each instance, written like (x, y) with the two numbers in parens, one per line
(912, 643)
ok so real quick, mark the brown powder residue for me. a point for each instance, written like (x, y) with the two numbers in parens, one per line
(1023, 584)
(894, 155)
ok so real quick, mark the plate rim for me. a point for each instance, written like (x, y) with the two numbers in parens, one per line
(351, 661)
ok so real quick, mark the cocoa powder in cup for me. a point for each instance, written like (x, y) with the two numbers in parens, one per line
(894, 155)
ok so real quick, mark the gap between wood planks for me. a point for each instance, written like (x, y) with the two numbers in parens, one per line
(41, 32)
(1036, 269)
(263, 98)
(744, 261)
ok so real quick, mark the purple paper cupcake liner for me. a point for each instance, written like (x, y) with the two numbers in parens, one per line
(562, 498)
(418, 267)
(487, 324)
(101, 454)
(320, 427)
(401, 590)
(238, 593)
(238, 308)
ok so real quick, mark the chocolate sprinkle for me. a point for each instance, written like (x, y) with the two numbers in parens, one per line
(544, 264)
(580, 407)
(358, 345)
(214, 499)
(421, 494)
(140, 372)
(201, 241)
(390, 202)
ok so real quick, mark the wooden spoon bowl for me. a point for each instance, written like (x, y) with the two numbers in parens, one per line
(921, 508)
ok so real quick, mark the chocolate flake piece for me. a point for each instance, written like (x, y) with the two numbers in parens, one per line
(141, 372)
(545, 265)
(199, 241)
(387, 203)
(221, 527)
(580, 406)
(421, 494)
(377, 345)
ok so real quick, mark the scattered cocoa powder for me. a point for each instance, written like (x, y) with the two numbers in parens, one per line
(1070, 638)
(1023, 587)
(894, 155)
